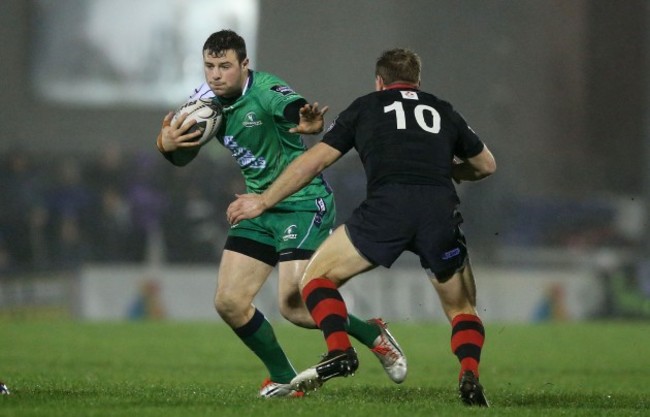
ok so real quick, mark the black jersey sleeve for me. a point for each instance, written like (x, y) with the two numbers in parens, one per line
(341, 133)
(468, 144)
(292, 110)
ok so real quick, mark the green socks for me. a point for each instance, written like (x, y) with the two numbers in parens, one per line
(259, 336)
(361, 330)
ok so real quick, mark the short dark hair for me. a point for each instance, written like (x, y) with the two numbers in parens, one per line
(399, 65)
(219, 42)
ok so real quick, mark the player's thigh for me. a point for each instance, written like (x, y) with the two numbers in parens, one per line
(240, 277)
(336, 259)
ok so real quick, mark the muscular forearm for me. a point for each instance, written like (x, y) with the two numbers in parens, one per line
(294, 177)
(299, 173)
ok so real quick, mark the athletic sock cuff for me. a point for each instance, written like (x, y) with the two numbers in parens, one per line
(316, 283)
(252, 326)
(465, 317)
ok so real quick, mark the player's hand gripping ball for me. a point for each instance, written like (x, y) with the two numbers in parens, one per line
(208, 116)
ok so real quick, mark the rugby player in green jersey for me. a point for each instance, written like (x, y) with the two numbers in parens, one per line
(263, 119)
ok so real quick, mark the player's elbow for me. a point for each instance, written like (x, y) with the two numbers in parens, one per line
(484, 164)
(488, 168)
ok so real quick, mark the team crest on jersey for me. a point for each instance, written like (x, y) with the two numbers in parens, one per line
(250, 120)
(285, 90)
(290, 233)
(409, 95)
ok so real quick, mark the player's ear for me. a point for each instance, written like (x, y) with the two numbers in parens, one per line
(244, 63)
(379, 83)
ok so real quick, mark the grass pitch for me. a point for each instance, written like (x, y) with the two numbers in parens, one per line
(200, 369)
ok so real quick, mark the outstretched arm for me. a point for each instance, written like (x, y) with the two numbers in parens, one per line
(298, 174)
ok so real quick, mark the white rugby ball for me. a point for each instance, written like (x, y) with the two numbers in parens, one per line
(208, 116)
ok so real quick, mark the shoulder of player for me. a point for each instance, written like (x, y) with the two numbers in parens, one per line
(265, 81)
(388, 95)
(438, 103)
(362, 101)
(263, 78)
(268, 88)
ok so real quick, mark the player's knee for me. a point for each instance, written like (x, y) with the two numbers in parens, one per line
(287, 312)
(227, 307)
(296, 314)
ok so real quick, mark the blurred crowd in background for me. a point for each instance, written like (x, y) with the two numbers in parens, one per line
(61, 211)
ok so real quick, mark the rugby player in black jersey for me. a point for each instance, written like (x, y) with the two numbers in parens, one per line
(413, 147)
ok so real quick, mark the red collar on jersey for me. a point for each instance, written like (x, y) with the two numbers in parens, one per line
(396, 86)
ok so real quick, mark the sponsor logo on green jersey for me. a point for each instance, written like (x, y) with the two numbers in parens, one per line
(285, 90)
(290, 233)
(250, 120)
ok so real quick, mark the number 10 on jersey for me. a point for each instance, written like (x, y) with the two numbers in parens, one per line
(419, 114)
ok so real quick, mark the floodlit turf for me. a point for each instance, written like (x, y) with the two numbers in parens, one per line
(199, 369)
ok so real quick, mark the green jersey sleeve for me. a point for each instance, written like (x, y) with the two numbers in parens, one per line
(275, 95)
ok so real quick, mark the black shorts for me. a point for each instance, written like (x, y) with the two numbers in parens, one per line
(422, 219)
(263, 252)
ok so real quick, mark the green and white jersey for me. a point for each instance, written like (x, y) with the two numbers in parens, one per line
(256, 132)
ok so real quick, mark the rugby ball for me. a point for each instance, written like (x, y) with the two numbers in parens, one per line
(208, 116)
